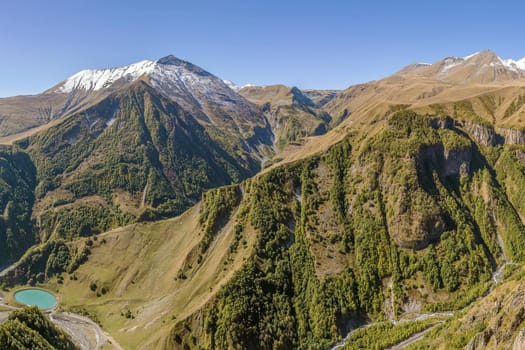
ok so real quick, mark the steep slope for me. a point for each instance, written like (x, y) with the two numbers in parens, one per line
(134, 153)
(413, 218)
(497, 321)
(217, 107)
(200, 93)
(22, 116)
(107, 147)
(320, 97)
(291, 113)
(409, 220)
(17, 182)
(390, 214)
(164, 272)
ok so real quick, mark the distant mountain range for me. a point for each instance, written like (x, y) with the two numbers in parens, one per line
(481, 67)
(209, 98)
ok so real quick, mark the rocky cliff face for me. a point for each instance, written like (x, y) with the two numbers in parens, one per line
(457, 161)
(482, 134)
(419, 220)
(512, 136)
(480, 340)
(519, 342)
(489, 136)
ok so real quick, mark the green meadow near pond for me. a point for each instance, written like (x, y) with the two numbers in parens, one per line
(36, 297)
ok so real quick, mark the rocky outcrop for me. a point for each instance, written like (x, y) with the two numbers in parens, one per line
(512, 136)
(482, 134)
(419, 219)
(457, 162)
(519, 341)
(520, 155)
(488, 136)
(441, 122)
(413, 230)
(480, 340)
(447, 162)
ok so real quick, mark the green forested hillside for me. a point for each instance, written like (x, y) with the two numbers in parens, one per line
(413, 219)
(17, 182)
(135, 154)
(179, 212)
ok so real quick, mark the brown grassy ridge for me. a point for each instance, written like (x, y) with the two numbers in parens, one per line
(135, 271)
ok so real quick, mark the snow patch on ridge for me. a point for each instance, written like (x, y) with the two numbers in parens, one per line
(450, 63)
(252, 85)
(232, 85)
(470, 56)
(510, 63)
(238, 88)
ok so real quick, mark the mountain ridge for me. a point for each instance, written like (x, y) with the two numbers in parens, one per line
(480, 67)
(207, 97)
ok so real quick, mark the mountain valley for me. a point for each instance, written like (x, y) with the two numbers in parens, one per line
(179, 213)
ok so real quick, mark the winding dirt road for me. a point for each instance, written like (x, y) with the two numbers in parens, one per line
(85, 332)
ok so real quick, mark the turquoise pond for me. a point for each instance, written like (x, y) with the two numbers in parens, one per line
(36, 297)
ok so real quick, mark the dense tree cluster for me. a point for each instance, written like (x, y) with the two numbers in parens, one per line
(29, 329)
(47, 260)
(17, 181)
(280, 300)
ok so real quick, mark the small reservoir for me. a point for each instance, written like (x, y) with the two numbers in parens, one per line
(36, 297)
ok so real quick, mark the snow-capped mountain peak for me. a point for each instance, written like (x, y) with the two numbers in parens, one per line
(160, 72)
(96, 79)
(498, 61)
(201, 93)
(480, 67)
(190, 86)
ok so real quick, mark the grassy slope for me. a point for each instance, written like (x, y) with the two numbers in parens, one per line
(499, 103)
(139, 265)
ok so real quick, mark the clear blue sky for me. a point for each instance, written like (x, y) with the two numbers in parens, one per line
(310, 44)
